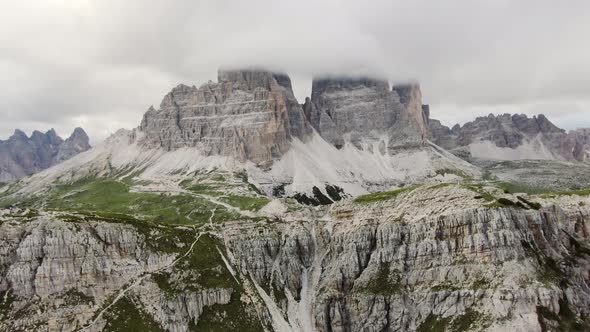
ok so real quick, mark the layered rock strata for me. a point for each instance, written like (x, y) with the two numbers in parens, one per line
(357, 109)
(249, 114)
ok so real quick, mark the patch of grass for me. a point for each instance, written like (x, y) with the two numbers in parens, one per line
(581, 192)
(115, 197)
(435, 323)
(516, 188)
(6, 300)
(482, 194)
(206, 267)
(385, 282)
(74, 297)
(227, 317)
(440, 185)
(218, 178)
(128, 179)
(383, 196)
(480, 283)
(246, 202)
(468, 320)
(447, 286)
(126, 316)
(162, 280)
(26, 215)
(206, 189)
(279, 295)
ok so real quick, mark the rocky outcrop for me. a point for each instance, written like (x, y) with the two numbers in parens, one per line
(67, 272)
(68, 269)
(176, 313)
(356, 109)
(406, 265)
(509, 136)
(578, 142)
(249, 114)
(410, 96)
(22, 156)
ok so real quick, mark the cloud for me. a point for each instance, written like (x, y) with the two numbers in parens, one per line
(101, 64)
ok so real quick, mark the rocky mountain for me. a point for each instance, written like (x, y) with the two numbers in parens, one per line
(357, 109)
(355, 134)
(511, 137)
(253, 115)
(21, 155)
(249, 115)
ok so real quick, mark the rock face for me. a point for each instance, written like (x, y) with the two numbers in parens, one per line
(68, 274)
(353, 109)
(22, 156)
(410, 96)
(250, 115)
(76, 143)
(579, 142)
(509, 136)
(403, 266)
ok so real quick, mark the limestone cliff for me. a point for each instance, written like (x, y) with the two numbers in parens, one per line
(356, 109)
(249, 114)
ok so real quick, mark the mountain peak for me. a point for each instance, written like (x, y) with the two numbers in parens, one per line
(510, 136)
(19, 134)
(79, 132)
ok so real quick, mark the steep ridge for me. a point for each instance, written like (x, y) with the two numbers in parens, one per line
(22, 156)
(511, 137)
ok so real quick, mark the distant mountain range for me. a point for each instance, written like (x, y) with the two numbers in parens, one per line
(22, 156)
(512, 137)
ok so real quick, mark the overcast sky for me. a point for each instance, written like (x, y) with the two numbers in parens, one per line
(100, 64)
